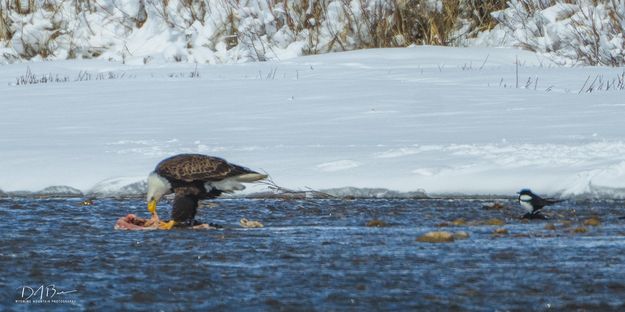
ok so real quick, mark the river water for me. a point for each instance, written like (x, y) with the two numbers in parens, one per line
(56, 254)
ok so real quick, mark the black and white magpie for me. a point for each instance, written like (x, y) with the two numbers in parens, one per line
(533, 204)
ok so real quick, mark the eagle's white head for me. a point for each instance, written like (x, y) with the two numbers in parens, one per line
(157, 188)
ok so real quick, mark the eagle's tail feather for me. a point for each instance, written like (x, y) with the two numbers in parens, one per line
(250, 177)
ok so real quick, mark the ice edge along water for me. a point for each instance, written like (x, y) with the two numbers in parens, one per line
(443, 120)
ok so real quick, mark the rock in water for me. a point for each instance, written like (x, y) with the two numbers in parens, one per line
(500, 231)
(461, 235)
(436, 237)
(459, 222)
(376, 223)
(593, 221)
(250, 223)
(580, 229)
(494, 221)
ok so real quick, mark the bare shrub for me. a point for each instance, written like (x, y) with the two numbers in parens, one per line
(590, 32)
(597, 34)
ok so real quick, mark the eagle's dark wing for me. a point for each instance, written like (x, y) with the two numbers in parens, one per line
(196, 167)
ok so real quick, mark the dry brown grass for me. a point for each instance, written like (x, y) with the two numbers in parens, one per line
(5, 34)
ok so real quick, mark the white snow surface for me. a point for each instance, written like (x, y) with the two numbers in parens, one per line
(443, 120)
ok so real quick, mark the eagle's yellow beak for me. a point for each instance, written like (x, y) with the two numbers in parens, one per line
(152, 209)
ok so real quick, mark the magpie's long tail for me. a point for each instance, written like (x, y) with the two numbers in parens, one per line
(552, 201)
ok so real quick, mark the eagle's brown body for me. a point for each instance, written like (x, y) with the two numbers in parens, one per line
(194, 176)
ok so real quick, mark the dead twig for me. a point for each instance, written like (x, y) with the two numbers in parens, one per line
(308, 193)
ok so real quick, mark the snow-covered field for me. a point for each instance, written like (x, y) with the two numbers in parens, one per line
(445, 120)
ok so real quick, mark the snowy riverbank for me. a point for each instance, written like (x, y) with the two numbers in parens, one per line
(443, 120)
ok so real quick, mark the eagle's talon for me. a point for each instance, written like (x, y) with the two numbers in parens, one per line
(167, 225)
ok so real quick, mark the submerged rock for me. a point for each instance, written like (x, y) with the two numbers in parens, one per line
(456, 222)
(494, 221)
(550, 226)
(592, 221)
(500, 231)
(436, 237)
(580, 229)
(459, 222)
(461, 235)
(376, 223)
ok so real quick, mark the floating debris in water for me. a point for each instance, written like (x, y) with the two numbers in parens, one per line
(550, 226)
(250, 223)
(86, 202)
(436, 237)
(376, 223)
(592, 221)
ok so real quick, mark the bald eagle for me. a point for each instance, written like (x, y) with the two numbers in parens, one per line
(193, 177)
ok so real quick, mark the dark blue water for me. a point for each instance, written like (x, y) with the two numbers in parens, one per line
(311, 255)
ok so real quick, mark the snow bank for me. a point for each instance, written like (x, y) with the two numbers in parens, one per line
(59, 191)
(373, 193)
(439, 120)
(120, 187)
